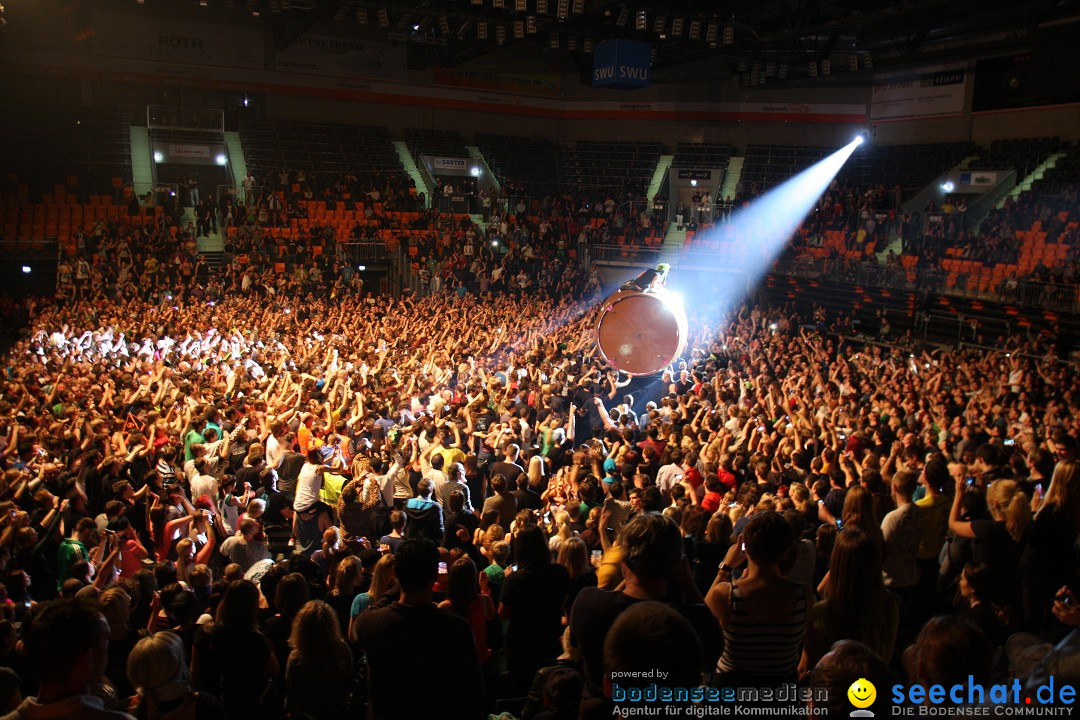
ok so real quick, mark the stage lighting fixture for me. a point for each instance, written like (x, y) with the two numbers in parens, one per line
(159, 157)
(948, 186)
(477, 2)
(361, 268)
(659, 22)
(520, 5)
(384, 17)
(481, 30)
(361, 16)
(26, 269)
(221, 159)
(530, 24)
(563, 8)
(693, 183)
(519, 30)
(695, 29)
(868, 61)
(475, 172)
(783, 71)
(641, 19)
(500, 34)
(494, 243)
(813, 69)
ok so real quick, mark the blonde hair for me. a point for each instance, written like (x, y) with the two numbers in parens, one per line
(1064, 492)
(157, 668)
(382, 577)
(1010, 505)
(115, 605)
(315, 633)
(574, 556)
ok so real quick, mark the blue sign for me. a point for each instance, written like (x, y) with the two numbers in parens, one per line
(622, 64)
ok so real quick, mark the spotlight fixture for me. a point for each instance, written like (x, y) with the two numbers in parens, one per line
(948, 186)
(530, 24)
(641, 20)
(475, 171)
(677, 27)
(519, 30)
(500, 34)
(711, 33)
(695, 29)
(624, 16)
(481, 30)
(729, 34)
(658, 24)
(384, 17)
(159, 157)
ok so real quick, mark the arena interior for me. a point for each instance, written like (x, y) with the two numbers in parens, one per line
(539, 359)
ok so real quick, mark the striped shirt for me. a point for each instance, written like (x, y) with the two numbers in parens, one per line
(753, 648)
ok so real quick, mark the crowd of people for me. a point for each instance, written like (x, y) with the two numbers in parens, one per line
(241, 494)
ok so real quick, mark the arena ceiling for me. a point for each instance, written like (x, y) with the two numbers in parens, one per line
(773, 40)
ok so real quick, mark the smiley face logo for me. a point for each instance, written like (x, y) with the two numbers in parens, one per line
(862, 693)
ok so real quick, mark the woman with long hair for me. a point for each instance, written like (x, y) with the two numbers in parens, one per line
(574, 556)
(382, 581)
(1050, 556)
(344, 588)
(157, 667)
(857, 606)
(235, 648)
(320, 666)
(465, 599)
(996, 542)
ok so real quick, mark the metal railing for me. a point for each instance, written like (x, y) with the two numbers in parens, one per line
(158, 190)
(179, 118)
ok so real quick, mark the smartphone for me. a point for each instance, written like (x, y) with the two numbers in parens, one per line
(744, 547)
(442, 568)
(1039, 491)
(1010, 441)
(596, 555)
(512, 567)
(969, 480)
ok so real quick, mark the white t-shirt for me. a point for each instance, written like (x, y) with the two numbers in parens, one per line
(308, 485)
(274, 452)
(204, 485)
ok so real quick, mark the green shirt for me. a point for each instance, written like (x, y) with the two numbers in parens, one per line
(69, 553)
(194, 437)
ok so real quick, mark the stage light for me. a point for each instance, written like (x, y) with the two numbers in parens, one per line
(773, 326)
(475, 172)
(159, 157)
(693, 183)
(641, 20)
(859, 139)
(494, 243)
(26, 269)
(246, 101)
(948, 186)
(519, 30)
(361, 268)
(221, 159)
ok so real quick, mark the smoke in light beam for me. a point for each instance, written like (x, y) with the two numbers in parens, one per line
(760, 231)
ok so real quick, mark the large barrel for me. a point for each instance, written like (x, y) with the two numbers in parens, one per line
(641, 333)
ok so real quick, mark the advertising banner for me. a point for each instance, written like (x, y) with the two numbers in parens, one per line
(919, 93)
(319, 53)
(144, 37)
(622, 64)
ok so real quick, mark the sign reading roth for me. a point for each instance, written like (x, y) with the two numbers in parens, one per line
(622, 64)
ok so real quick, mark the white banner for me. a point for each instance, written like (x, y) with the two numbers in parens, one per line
(979, 178)
(318, 53)
(187, 150)
(145, 37)
(919, 93)
(445, 163)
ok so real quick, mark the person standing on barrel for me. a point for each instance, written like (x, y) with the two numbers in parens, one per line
(650, 280)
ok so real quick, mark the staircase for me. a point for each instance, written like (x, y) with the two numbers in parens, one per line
(475, 154)
(235, 147)
(662, 166)
(966, 162)
(731, 178)
(1021, 187)
(673, 241)
(410, 167)
(142, 160)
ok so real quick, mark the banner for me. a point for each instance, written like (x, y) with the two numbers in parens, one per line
(695, 174)
(979, 178)
(187, 150)
(538, 80)
(919, 93)
(622, 64)
(319, 53)
(145, 37)
(445, 163)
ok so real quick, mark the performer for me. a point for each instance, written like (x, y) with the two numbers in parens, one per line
(650, 280)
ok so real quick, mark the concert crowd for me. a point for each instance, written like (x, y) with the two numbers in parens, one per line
(251, 494)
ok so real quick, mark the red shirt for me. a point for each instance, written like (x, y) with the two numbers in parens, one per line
(711, 501)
